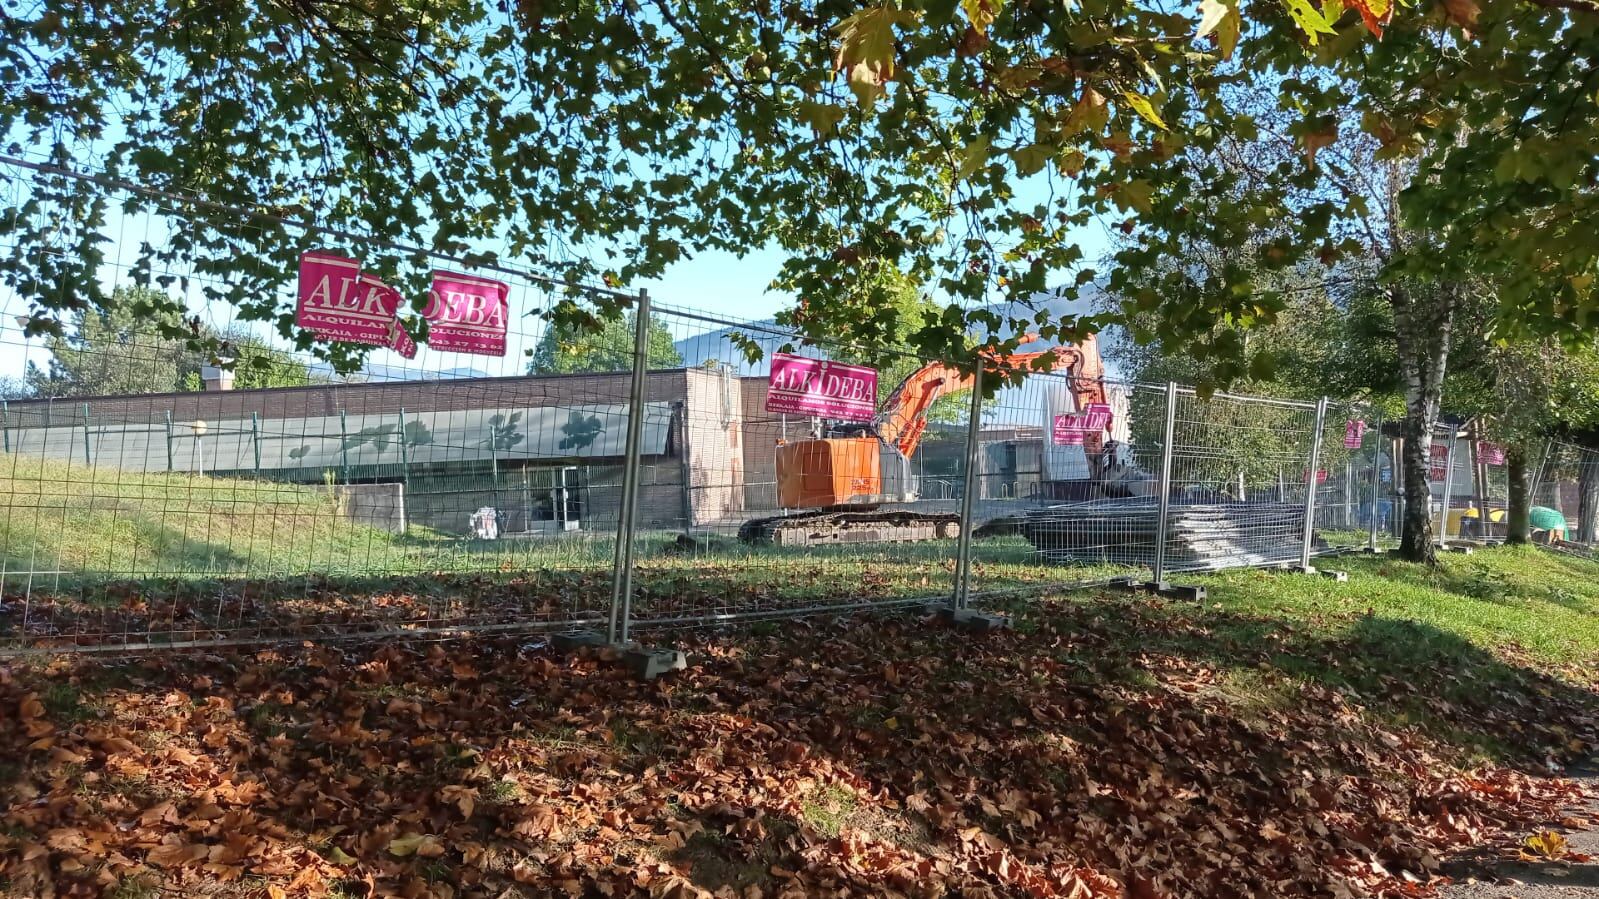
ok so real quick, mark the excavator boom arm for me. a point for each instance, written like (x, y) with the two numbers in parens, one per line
(904, 416)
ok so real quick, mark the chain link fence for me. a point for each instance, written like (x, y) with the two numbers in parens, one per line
(667, 469)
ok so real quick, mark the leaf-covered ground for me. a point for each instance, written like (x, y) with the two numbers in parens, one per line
(1290, 737)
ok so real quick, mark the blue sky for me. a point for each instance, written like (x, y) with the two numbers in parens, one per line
(716, 283)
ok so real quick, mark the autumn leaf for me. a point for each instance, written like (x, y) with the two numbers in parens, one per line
(822, 117)
(1223, 19)
(177, 854)
(1375, 13)
(866, 50)
(1031, 158)
(981, 13)
(1314, 141)
(1546, 844)
(419, 845)
(1088, 113)
(1141, 105)
(1463, 13)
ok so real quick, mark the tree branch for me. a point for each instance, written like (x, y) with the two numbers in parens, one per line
(1590, 7)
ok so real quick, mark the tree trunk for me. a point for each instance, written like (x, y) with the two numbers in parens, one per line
(1415, 537)
(1588, 496)
(1422, 324)
(1518, 527)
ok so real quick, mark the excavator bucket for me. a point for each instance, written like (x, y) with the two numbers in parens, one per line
(833, 472)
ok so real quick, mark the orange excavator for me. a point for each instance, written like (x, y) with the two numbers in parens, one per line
(837, 479)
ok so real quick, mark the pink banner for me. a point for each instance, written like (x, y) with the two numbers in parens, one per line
(336, 303)
(467, 314)
(818, 387)
(400, 340)
(1490, 453)
(1354, 433)
(1440, 463)
(1073, 429)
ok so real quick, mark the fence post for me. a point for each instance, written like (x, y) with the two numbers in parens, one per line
(344, 444)
(405, 455)
(1449, 483)
(1310, 485)
(86, 459)
(1376, 482)
(169, 440)
(5, 424)
(255, 440)
(622, 574)
(963, 551)
(1165, 484)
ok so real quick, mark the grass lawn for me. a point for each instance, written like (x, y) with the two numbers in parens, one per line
(1290, 736)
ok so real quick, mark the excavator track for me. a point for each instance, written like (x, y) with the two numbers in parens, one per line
(822, 527)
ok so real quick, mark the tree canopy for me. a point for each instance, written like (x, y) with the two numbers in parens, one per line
(124, 350)
(964, 142)
(600, 345)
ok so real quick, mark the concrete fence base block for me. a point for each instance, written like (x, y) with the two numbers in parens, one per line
(1463, 550)
(973, 621)
(1371, 550)
(649, 664)
(1333, 575)
(1186, 592)
(1302, 569)
(575, 640)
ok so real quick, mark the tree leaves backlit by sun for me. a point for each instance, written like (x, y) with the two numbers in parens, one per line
(967, 142)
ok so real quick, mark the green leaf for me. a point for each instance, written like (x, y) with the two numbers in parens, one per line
(1031, 158)
(822, 117)
(973, 157)
(1309, 19)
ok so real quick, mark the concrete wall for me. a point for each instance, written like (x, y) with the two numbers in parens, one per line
(380, 506)
(714, 442)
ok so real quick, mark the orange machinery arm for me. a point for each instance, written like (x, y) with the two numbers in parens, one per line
(904, 416)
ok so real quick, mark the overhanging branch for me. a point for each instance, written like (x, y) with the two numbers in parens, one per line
(1591, 7)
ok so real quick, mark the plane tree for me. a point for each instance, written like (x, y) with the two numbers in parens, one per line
(968, 143)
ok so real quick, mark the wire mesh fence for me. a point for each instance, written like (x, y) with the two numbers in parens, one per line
(662, 469)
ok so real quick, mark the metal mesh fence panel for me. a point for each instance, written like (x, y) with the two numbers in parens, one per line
(1241, 469)
(1353, 509)
(764, 512)
(1065, 493)
(151, 498)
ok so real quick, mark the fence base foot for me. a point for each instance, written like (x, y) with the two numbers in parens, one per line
(1187, 592)
(1334, 575)
(973, 621)
(1300, 569)
(1463, 550)
(1370, 550)
(649, 664)
(575, 640)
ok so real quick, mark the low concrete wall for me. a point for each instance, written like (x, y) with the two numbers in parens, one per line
(380, 506)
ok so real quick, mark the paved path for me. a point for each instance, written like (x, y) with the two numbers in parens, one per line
(1496, 879)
